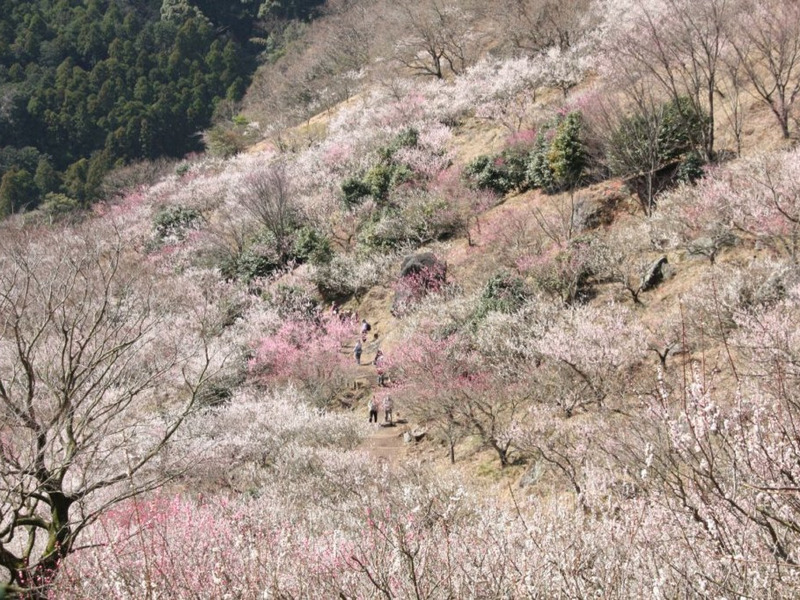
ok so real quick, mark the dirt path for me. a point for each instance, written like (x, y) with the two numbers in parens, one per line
(386, 443)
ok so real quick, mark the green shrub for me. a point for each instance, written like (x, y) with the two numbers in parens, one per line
(59, 206)
(256, 262)
(690, 169)
(514, 162)
(378, 181)
(504, 293)
(646, 142)
(386, 230)
(225, 142)
(259, 258)
(18, 192)
(682, 127)
(401, 174)
(405, 139)
(311, 246)
(354, 190)
(421, 218)
(502, 173)
(175, 221)
(228, 138)
(382, 177)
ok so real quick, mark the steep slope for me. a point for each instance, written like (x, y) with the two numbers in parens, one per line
(601, 353)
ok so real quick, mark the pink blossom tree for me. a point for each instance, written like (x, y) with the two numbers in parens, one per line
(757, 198)
(316, 354)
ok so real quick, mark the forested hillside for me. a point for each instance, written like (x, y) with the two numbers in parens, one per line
(87, 86)
(551, 246)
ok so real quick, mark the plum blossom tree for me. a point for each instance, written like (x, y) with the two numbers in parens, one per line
(269, 198)
(757, 197)
(97, 378)
(440, 37)
(314, 354)
(732, 102)
(725, 468)
(584, 358)
(446, 384)
(533, 26)
(505, 91)
(681, 45)
(621, 256)
(766, 43)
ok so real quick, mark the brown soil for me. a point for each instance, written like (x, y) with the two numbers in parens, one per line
(386, 443)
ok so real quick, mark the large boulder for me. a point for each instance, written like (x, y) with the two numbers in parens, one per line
(654, 274)
(710, 246)
(416, 263)
(595, 209)
(419, 274)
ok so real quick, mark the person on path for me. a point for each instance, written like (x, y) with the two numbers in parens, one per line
(388, 404)
(378, 362)
(357, 352)
(372, 405)
(365, 327)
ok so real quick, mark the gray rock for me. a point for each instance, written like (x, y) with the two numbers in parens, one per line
(590, 213)
(654, 274)
(710, 246)
(414, 435)
(532, 475)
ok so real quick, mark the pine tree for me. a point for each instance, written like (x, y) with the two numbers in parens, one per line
(567, 155)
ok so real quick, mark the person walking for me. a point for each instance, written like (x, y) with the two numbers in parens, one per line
(372, 405)
(378, 362)
(388, 404)
(357, 352)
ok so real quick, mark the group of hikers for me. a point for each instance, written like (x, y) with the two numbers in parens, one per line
(387, 405)
(378, 362)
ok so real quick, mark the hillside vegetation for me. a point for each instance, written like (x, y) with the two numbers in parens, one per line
(573, 228)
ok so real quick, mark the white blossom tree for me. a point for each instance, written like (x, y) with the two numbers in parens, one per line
(96, 377)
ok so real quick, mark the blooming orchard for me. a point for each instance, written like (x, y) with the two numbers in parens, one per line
(174, 387)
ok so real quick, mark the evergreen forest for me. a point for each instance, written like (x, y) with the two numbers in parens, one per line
(87, 85)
